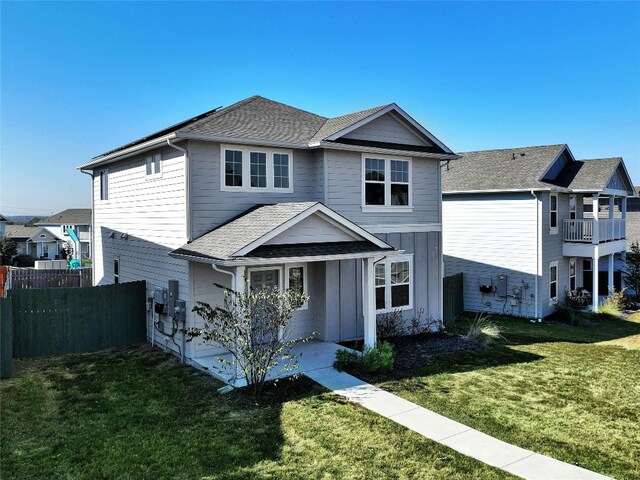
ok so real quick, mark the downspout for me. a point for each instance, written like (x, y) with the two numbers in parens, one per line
(187, 188)
(93, 213)
(535, 197)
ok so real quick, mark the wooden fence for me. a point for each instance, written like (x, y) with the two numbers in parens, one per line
(6, 329)
(74, 320)
(30, 278)
(453, 298)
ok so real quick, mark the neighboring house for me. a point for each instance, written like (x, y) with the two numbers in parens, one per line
(37, 242)
(76, 219)
(514, 225)
(633, 219)
(347, 209)
(3, 222)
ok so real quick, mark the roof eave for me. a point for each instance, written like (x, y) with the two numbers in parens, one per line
(250, 261)
(247, 141)
(406, 153)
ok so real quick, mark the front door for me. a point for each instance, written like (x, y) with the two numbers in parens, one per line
(264, 279)
(258, 280)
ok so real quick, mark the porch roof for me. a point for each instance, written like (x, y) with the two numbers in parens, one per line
(251, 235)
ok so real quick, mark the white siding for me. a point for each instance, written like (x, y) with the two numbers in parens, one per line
(488, 235)
(152, 214)
(386, 129)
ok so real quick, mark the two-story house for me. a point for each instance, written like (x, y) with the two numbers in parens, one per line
(76, 219)
(347, 209)
(514, 225)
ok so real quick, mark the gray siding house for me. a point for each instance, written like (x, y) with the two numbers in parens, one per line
(515, 226)
(347, 209)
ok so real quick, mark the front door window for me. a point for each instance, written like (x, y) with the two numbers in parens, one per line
(263, 280)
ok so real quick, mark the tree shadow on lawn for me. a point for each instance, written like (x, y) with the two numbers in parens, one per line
(138, 413)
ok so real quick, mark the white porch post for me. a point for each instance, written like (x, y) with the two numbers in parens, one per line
(594, 273)
(239, 282)
(369, 302)
(610, 279)
(595, 239)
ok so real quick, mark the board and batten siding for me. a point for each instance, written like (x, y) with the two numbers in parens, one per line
(486, 235)
(152, 214)
(344, 190)
(312, 229)
(386, 129)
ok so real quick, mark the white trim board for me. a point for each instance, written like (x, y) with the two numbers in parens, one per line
(404, 228)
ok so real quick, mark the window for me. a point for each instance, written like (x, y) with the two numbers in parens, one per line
(264, 169)
(281, 170)
(153, 165)
(233, 168)
(572, 207)
(572, 274)
(553, 213)
(393, 287)
(104, 184)
(386, 183)
(116, 270)
(258, 170)
(45, 250)
(65, 228)
(553, 283)
(296, 279)
(586, 264)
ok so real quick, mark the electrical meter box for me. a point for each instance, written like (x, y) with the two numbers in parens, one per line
(160, 300)
(501, 288)
(486, 285)
(517, 292)
(180, 311)
(173, 297)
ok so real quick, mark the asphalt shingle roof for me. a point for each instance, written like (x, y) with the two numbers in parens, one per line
(20, 231)
(71, 216)
(594, 174)
(504, 169)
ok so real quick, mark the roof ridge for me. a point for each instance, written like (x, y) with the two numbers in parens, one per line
(221, 111)
(513, 148)
(290, 106)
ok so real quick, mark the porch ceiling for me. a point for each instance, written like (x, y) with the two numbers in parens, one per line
(314, 249)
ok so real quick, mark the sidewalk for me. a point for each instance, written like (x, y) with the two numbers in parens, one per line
(463, 439)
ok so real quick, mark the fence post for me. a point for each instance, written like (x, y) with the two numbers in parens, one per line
(6, 337)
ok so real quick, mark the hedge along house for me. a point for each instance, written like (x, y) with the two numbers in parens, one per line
(347, 209)
(515, 225)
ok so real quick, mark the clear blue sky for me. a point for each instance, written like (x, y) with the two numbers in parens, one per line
(78, 79)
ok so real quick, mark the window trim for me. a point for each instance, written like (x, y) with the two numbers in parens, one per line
(387, 207)
(553, 230)
(305, 282)
(574, 261)
(387, 282)
(246, 169)
(152, 162)
(103, 192)
(553, 300)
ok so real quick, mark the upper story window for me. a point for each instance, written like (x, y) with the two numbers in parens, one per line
(573, 207)
(553, 213)
(246, 168)
(153, 164)
(65, 228)
(386, 183)
(104, 184)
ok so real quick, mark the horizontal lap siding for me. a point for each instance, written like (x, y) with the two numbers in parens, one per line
(488, 235)
(152, 212)
(344, 193)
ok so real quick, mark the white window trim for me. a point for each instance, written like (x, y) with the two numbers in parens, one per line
(387, 282)
(387, 207)
(574, 261)
(553, 230)
(554, 300)
(106, 173)
(153, 160)
(246, 169)
(305, 284)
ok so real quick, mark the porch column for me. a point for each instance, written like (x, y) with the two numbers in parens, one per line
(610, 279)
(595, 238)
(369, 302)
(594, 273)
(239, 282)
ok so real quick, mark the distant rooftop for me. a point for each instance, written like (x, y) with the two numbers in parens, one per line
(71, 216)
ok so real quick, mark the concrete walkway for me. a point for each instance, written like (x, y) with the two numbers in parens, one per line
(463, 439)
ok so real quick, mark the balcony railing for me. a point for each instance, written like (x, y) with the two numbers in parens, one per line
(582, 231)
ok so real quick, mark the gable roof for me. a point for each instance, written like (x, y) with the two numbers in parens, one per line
(503, 169)
(70, 216)
(244, 234)
(589, 175)
(20, 232)
(3, 218)
(45, 231)
(262, 121)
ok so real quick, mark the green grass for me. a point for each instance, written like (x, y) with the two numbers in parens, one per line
(136, 413)
(570, 392)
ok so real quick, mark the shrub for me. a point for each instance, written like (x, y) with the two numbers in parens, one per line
(378, 358)
(389, 325)
(564, 312)
(86, 261)
(23, 261)
(614, 303)
(345, 359)
(483, 330)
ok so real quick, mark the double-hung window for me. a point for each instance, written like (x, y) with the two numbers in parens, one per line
(247, 168)
(387, 182)
(393, 284)
(116, 270)
(553, 283)
(573, 206)
(553, 213)
(104, 184)
(296, 279)
(153, 165)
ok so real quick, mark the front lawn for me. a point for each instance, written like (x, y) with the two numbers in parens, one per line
(572, 393)
(135, 413)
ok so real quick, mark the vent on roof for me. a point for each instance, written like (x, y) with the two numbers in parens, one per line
(513, 155)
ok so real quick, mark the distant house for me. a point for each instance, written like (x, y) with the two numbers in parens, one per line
(37, 242)
(515, 226)
(262, 194)
(3, 222)
(633, 219)
(76, 219)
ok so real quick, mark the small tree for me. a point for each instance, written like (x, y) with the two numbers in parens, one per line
(631, 274)
(8, 249)
(255, 328)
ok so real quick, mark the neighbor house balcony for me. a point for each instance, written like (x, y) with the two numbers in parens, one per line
(84, 236)
(582, 236)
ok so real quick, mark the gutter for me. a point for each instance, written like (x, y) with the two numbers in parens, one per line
(187, 187)
(127, 152)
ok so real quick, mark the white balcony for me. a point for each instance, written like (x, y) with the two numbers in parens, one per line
(582, 231)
